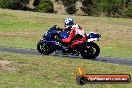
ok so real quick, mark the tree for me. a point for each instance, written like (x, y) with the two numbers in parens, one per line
(128, 10)
(14, 4)
(111, 7)
(36, 2)
(87, 6)
(45, 6)
(91, 7)
(70, 6)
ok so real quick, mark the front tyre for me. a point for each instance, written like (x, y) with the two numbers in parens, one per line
(91, 50)
(44, 48)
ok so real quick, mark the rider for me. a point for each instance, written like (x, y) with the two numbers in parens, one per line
(76, 35)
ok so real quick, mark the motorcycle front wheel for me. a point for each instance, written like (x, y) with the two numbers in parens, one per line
(44, 48)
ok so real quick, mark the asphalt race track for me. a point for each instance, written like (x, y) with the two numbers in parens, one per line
(121, 61)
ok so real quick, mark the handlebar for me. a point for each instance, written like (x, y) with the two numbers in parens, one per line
(57, 28)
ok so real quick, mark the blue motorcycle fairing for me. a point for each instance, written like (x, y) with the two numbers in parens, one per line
(93, 35)
(49, 37)
(64, 34)
(49, 41)
(49, 34)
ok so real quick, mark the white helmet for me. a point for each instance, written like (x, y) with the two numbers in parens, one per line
(68, 22)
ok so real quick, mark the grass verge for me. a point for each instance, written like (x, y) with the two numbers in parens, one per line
(32, 71)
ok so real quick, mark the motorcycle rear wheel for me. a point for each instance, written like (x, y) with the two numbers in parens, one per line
(90, 51)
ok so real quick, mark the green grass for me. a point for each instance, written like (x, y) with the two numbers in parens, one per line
(23, 29)
(18, 42)
(31, 71)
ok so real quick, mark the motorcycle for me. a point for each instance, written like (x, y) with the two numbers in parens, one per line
(48, 45)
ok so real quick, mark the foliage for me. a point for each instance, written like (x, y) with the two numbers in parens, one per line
(14, 4)
(128, 11)
(36, 2)
(70, 6)
(87, 6)
(45, 6)
(111, 7)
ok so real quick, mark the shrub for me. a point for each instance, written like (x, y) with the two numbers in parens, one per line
(14, 4)
(70, 6)
(45, 6)
(36, 2)
(128, 11)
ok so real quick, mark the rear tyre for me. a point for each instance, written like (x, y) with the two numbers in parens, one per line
(44, 48)
(90, 51)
